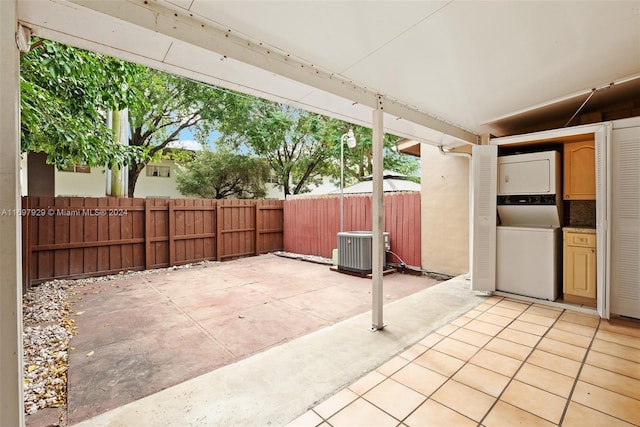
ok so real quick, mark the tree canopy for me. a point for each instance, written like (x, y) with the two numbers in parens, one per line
(68, 92)
(220, 175)
(161, 106)
(65, 94)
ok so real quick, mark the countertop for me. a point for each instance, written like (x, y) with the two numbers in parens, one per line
(579, 229)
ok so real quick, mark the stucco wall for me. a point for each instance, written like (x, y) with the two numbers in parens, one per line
(91, 184)
(158, 186)
(445, 212)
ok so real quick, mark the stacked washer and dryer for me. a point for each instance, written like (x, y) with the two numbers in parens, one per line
(529, 237)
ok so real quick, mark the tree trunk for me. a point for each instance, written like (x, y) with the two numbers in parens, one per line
(134, 173)
(119, 126)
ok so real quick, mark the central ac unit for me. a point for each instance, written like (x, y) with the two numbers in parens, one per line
(355, 250)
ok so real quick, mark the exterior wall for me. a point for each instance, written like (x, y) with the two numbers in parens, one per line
(445, 212)
(91, 184)
(157, 186)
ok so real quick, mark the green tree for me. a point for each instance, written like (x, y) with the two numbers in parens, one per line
(65, 94)
(297, 144)
(359, 160)
(221, 174)
(163, 105)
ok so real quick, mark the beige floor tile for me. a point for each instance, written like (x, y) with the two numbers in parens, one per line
(519, 337)
(614, 364)
(482, 379)
(392, 366)
(395, 398)
(483, 327)
(508, 348)
(580, 416)
(543, 311)
(556, 363)
(503, 311)
(494, 319)
(457, 349)
(325, 424)
(461, 321)
(367, 382)
(486, 305)
(464, 399)
(496, 362)
(439, 362)
(611, 381)
(562, 349)
(362, 413)
(568, 337)
(335, 403)
(606, 401)
(513, 305)
(505, 415)
(447, 329)
(470, 337)
(537, 319)
(420, 379)
(548, 307)
(413, 352)
(545, 379)
(531, 399)
(617, 350)
(431, 340)
(432, 413)
(308, 419)
(621, 326)
(580, 318)
(473, 313)
(586, 331)
(530, 328)
(628, 340)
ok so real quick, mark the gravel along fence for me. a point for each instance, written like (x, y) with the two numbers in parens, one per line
(47, 329)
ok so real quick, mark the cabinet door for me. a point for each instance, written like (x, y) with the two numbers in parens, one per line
(580, 171)
(580, 271)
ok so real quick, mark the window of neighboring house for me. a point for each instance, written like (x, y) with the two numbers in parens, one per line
(157, 170)
(77, 168)
(273, 179)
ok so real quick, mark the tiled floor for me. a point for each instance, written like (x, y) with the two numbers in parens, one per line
(504, 363)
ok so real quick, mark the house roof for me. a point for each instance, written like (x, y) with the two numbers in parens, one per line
(392, 182)
(445, 72)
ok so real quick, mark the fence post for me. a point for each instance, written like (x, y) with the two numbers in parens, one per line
(147, 236)
(172, 233)
(219, 224)
(26, 246)
(258, 226)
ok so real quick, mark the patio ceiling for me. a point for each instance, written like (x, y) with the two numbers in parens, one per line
(447, 71)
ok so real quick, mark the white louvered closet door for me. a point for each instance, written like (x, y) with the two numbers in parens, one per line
(625, 222)
(485, 184)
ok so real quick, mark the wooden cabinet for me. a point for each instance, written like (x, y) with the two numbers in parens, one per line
(580, 171)
(579, 284)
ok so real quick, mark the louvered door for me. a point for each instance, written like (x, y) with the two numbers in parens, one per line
(625, 222)
(485, 178)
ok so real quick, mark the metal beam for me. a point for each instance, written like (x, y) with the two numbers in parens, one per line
(182, 25)
(377, 220)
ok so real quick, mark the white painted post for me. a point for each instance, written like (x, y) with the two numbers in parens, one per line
(377, 201)
(11, 407)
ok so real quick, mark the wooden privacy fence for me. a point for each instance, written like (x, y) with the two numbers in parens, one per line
(72, 237)
(311, 224)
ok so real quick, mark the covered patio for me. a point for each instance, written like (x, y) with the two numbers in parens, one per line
(446, 74)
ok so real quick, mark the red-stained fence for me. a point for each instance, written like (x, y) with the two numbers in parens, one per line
(311, 225)
(71, 237)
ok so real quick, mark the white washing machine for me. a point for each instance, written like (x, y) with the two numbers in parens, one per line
(528, 261)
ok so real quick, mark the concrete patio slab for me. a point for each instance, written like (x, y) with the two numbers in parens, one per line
(275, 386)
(138, 335)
